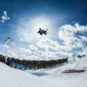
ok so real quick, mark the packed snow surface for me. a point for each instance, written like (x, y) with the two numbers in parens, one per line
(10, 77)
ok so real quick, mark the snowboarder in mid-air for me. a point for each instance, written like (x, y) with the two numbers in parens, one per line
(42, 32)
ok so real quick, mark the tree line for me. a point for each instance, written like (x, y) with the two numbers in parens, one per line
(31, 64)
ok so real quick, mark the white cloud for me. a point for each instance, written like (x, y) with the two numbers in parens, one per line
(71, 41)
(32, 47)
(52, 49)
(7, 51)
(27, 29)
(47, 43)
(4, 17)
(67, 34)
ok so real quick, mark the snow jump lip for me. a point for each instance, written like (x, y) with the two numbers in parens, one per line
(73, 71)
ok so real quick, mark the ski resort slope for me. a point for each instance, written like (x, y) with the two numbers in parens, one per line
(10, 77)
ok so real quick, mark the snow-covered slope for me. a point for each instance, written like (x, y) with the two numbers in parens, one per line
(10, 77)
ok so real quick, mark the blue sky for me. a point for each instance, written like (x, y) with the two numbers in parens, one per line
(64, 11)
(26, 16)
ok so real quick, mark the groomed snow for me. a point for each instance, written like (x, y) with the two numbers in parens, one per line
(10, 77)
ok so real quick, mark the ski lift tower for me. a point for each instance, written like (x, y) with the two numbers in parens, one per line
(6, 43)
